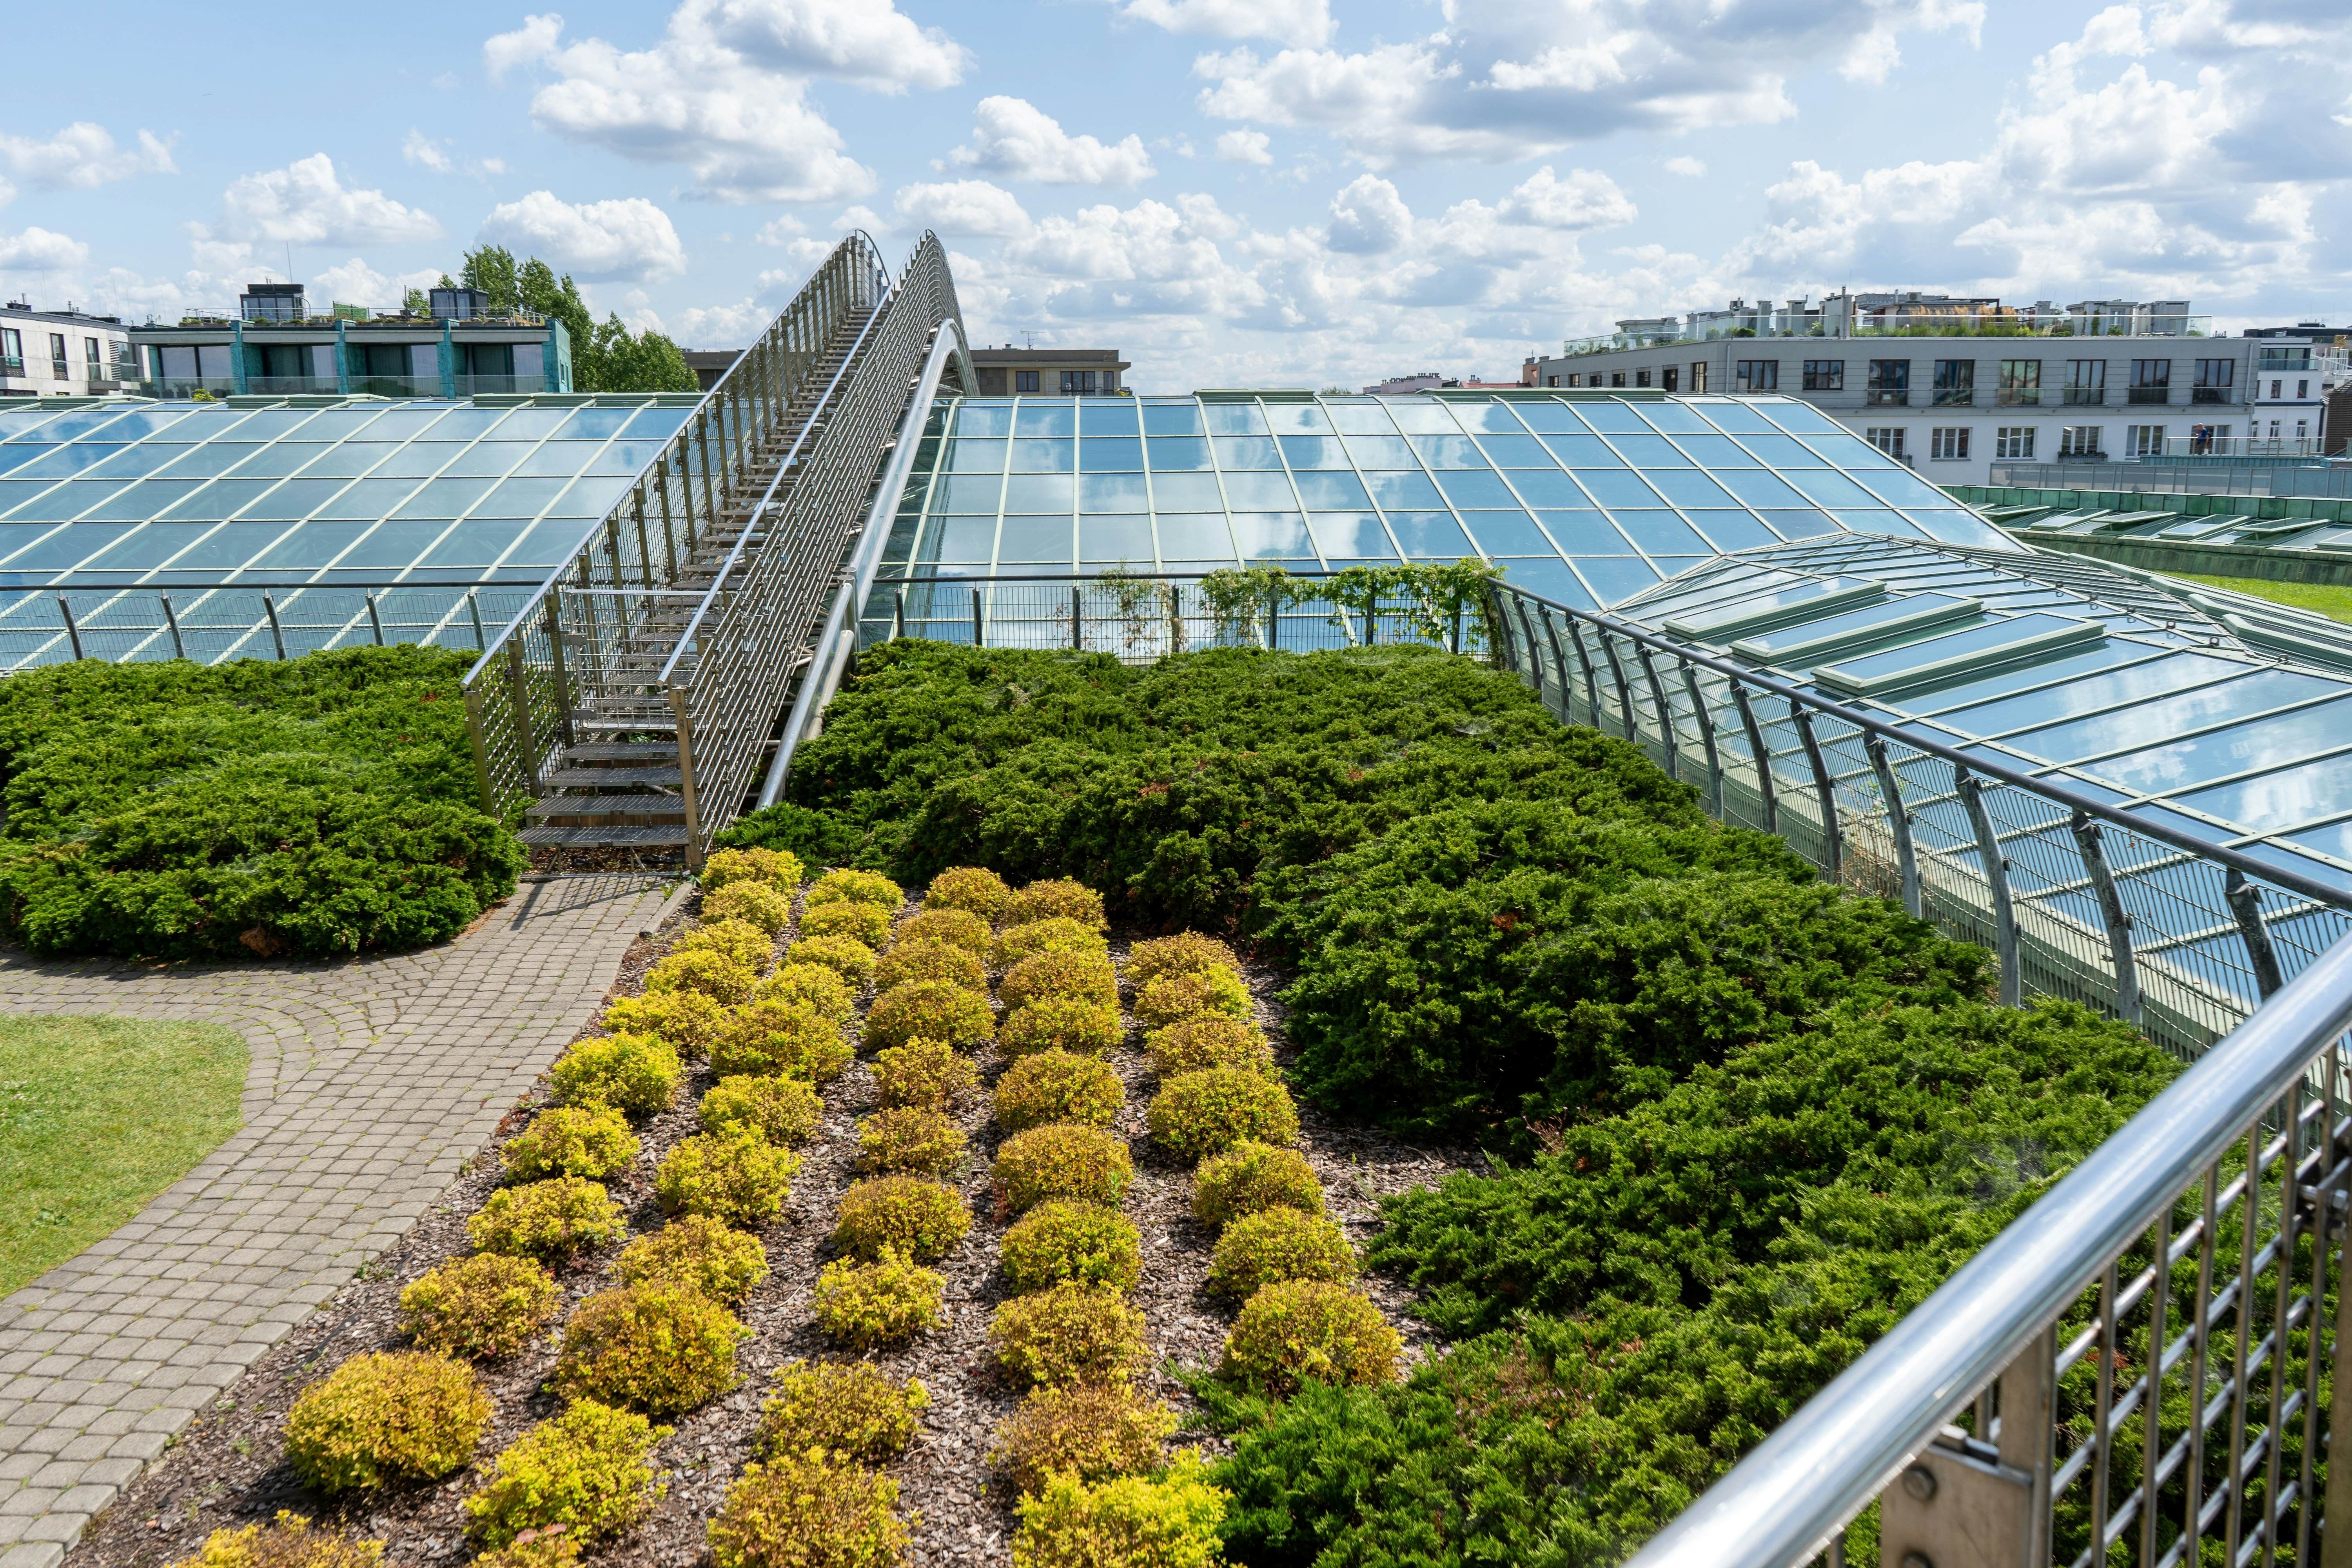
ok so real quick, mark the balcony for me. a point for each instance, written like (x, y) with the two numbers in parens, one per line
(186, 386)
(2085, 396)
(2151, 395)
(60, 371)
(1888, 397)
(1956, 396)
(11, 364)
(396, 385)
(2209, 395)
(468, 385)
(2018, 398)
(290, 385)
(111, 375)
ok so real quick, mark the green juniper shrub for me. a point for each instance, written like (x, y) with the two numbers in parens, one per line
(860, 922)
(1198, 992)
(1173, 1520)
(1069, 1333)
(956, 928)
(855, 886)
(784, 1111)
(909, 961)
(1279, 1243)
(1186, 952)
(1207, 1041)
(849, 1409)
(815, 837)
(552, 1220)
(1068, 1240)
(1057, 1085)
(1196, 1114)
(974, 889)
(738, 941)
(909, 1138)
(815, 986)
(801, 1511)
(1251, 1178)
(925, 1073)
(696, 1252)
(771, 868)
(571, 1141)
(781, 1037)
(717, 975)
(286, 1541)
(685, 1021)
(735, 1176)
(844, 956)
(868, 1305)
(930, 1010)
(658, 1348)
(904, 1215)
(482, 1307)
(1057, 897)
(588, 1469)
(1092, 1431)
(1063, 1023)
(1297, 1328)
(754, 904)
(1014, 943)
(1058, 972)
(635, 1075)
(383, 1417)
(1061, 1160)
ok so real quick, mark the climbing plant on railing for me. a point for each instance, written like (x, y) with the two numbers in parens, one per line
(1438, 602)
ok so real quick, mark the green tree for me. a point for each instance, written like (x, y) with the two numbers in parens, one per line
(605, 357)
(413, 303)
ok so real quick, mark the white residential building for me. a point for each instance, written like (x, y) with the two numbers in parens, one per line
(62, 353)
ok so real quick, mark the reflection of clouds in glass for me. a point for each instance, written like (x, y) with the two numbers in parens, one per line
(1187, 492)
(1297, 418)
(1035, 539)
(1263, 535)
(1346, 535)
(1111, 492)
(1196, 537)
(2315, 789)
(1126, 539)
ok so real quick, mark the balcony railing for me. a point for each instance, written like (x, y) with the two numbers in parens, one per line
(292, 383)
(1954, 396)
(181, 386)
(2151, 395)
(11, 364)
(396, 385)
(2232, 447)
(60, 371)
(2082, 397)
(1895, 324)
(2209, 395)
(1887, 397)
(468, 385)
(2018, 398)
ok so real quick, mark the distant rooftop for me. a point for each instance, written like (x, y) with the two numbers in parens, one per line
(1900, 313)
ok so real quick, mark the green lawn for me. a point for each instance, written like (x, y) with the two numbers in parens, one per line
(2324, 598)
(97, 1116)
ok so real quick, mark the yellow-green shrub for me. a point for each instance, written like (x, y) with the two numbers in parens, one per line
(909, 1138)
(406, 1416)
(805, 1512)
(856, 887)
(1062, 1024)
(559, 1218)
(844, 956)
(635, 1075)
(1297, 1329)
(1071, 1334)
(781, 1110)
(485, 1306)
(1186, 952)
(1207, 1041)
(736, 940)
(1196, 1114)
(1174, 1519)
(587, 1470)
(1057, 1085)
(1090, 1430)
(928, 1010)
(1014, 943)
(1173, 998)
(1057, 972)
(289, 1541)
(865, 1306)
(1066, 1240)
(683, 1020)
(696, 1252)
(757, 903)
(776, 867)
(811, 985)
(1279, 1243)
(956, 928)
(1056, 899)
(1251, 1178)
(865, 923)
(657, 1348)
(974, 889)
(1061, 1160)
(714, 974)
(780, 1038)
(909, 961)
(736, 1175)
(553, 1547)
(849, 1410)
(572, 1140)
(905, 1214)
(925, 1072)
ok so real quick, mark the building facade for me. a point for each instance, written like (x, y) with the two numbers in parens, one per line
(709, 364)
(62, 353)
(1009, 372)
(2295, 369)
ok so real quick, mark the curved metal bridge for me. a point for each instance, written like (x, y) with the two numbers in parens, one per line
(654, 688)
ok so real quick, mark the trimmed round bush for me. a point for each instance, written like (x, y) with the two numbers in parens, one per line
(635, 1075)
(589, 1469)
(1279, 1243)
(1186, 952)
(714, 974)
(865, 923)
(956, 928)
(811, 985)
(1059, 1086)
(865, 1306)
(775, 868)
(658, 1349)
(1071, 1334)
(406, 1415)
(479, 1307)
(740, 941)
(1061, 1160)
(1081, 1243)
(1196, 1114)
(930, 1010)
(781, 1110)
(846, 887)
(560, 1218)
(1207, 1041)
(804, 1512)
(1173, 998)
(736, 1175)
(925, 1073)
(1062, 1023)
(1014, 943)
(1092, 1431)
(572, 1140)
(1297, 1329)
(683, 1020)
(909, 962)
(288, 1541)
(781, 1038)
(850, 1410)
(551, 1548)
(903, 1214)
(696, 1252)
(973, 888)
(909, 1138)
(1056, 899)
(844, 956)
(1250, 1178)
(755, 903)
(1087, 976)
(1173, 1520)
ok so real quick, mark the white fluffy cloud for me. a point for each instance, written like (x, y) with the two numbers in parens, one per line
(38, 252)
(1301, 22)
(961, 207)
(354, 282)
(306, 203)
(1586, 199)
(1015, 139)
(82, 157)
(628, 239)
(1245, 147)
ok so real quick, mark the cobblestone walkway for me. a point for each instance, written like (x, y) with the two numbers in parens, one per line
(371, 1082)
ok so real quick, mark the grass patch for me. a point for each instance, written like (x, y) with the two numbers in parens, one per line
(97, 1116)
(2329, 599)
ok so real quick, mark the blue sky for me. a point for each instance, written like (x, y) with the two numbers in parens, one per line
(1230, 192)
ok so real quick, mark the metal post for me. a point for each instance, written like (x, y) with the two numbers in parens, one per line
(1665, 714)
(1763, 758)
(1527, 630)
(688, 795)
(171, 620)
(1706, 739)
(1454, 645)
(2088, 839)
(1558, 664)
(1591, 677)
(2245, 902)
(555, 661)
(1507, 652)
(518, 689)
(976, 631)
(1274, 620)
(73, 632)
(1898, 822)
(1175, 618)
(375, 621)
(1617, 678)
(1996, 870)
(276, 632)
(898, 613)
(1078, 640)
(1833, 841)
(669, 533)
(1968, 1502)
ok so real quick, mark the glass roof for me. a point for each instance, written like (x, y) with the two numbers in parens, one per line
(1585, 498)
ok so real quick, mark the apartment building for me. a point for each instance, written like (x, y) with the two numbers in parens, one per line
(1009, 372)
(2295, 370)
(62, 353)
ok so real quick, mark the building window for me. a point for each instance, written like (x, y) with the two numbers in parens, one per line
(1551, 380)
(2086, 380)
(2202, 438)
(2213, 381)
(1825, 376)
(2274, 387)
(1616, 378)
(1698, 375)
(2020, 383)
(2303, 430)
(1025, 381)
(2275, 430)
(2080, 441)
(12, 351)
(2151, 381)
(1575, 378)
(1671, 378)
(2145, 440)
(1756, 375)
(2013, 441)
(1948, 444)
(1956, 383)
(2303, 389)
(1890, 381)
(1077, 384)
(58, 355)
(1642, 376)
(89, 352)
(1888, 438)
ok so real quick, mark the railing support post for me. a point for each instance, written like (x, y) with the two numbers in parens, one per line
(1706, 739)
(474, 610)
(1506, 651)
(1624, 687)
(689, 796)
(1274, 620)
(1764, 789)
(73, 632)
(1832, 840)
(375, 621)
(1077, 638)
(2088, 839)
(897, 615)
(1964, 1502)
(276, 632)
(171, 620)
(2245, 902)
(1666, 713)
(976, 629)
(1591, 676)
(1558, 664)
(518, 693)
(1996, 869)
(1527, 630)
(1898, 823)
(555, 660)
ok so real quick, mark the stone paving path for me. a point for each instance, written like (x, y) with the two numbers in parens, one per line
(371, 1083)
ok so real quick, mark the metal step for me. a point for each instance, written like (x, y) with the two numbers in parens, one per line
(645, 751)
(613, 778)
(608, 805)
(662, 837)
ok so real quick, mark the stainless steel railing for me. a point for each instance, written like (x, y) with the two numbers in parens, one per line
(211, 624)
